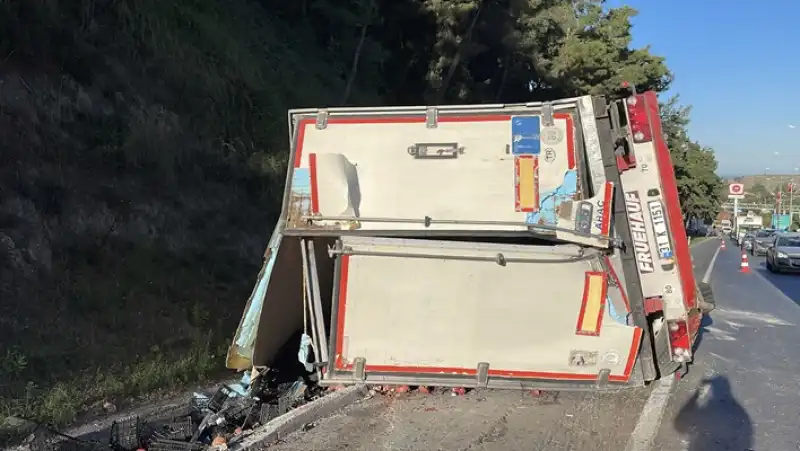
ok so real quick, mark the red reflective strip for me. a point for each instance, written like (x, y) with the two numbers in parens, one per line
(536, 184)
(570, 138)
(341, 308)
(632, 353)
(312, 169)
(579, 330)
(301, 137)
(517, 189)
(607, 198)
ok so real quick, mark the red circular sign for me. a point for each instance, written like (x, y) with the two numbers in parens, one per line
(736, 188)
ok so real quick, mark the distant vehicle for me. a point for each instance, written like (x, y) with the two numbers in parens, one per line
(698, 230)
(726, 225)
(761, 241)
(784, 253)
(747, 241)
(744, 224)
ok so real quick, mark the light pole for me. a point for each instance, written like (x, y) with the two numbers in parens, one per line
(791, 197)
(776, 218)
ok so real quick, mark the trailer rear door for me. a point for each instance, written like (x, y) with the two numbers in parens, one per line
(456, 171)
(451, 313)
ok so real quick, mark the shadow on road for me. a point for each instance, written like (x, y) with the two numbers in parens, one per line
(789, 284)
(717, 422)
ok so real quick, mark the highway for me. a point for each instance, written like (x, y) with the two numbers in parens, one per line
(740, 393)
(747, 355)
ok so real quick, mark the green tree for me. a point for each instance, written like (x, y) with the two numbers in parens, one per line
(695, 166)
(512, 50)
(760, 193)
(766, 219)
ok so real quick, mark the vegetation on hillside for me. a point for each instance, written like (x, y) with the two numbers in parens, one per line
(768, 194)
(144, 142)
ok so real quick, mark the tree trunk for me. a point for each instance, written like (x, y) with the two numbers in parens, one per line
(354, 67)
(457, 58)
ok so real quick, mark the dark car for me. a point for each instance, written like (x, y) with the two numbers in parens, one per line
(784, 253)
(761, 240)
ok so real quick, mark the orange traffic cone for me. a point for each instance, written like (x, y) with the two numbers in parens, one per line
(745, 266)
(722, 246)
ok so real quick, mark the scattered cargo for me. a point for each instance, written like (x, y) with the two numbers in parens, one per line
(206, 421)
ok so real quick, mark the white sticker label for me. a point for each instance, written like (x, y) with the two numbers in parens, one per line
(660, 230)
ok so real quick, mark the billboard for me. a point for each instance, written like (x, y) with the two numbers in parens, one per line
(780, 221)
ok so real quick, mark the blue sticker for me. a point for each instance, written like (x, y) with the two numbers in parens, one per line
(612, 312)
(525, 135)
(551, 200)
(301, 181)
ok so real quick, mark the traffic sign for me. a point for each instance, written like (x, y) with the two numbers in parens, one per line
(736, 191)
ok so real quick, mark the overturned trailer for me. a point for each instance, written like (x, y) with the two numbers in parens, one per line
(534, 245)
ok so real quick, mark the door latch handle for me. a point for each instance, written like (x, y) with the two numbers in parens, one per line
(435, 150)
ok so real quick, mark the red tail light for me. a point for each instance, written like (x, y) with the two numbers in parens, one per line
(679, 341)
(638, 119)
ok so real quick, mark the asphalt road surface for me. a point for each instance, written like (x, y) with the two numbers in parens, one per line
(742, 354)
(743, 392)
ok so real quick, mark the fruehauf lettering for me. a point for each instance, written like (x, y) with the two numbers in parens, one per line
(641, 245)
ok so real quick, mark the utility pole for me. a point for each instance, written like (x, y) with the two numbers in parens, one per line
(791, 195)
(791, 198)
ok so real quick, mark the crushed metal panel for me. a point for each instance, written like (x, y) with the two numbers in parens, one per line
(592, 216)
(591, 140)
(557, 172)
(443, 307)
(317, 311)
(282, 311)
(619, 307)
(240, 353)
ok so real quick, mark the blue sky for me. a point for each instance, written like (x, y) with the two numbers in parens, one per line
(738, 65)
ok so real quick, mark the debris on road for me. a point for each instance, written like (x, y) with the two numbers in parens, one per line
(391, 390)
(208, 421)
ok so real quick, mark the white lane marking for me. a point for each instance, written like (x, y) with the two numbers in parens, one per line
(749, 316)
(734, 325)
(707, 275)
(653, 413)
(719, 334)
(719, 357)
